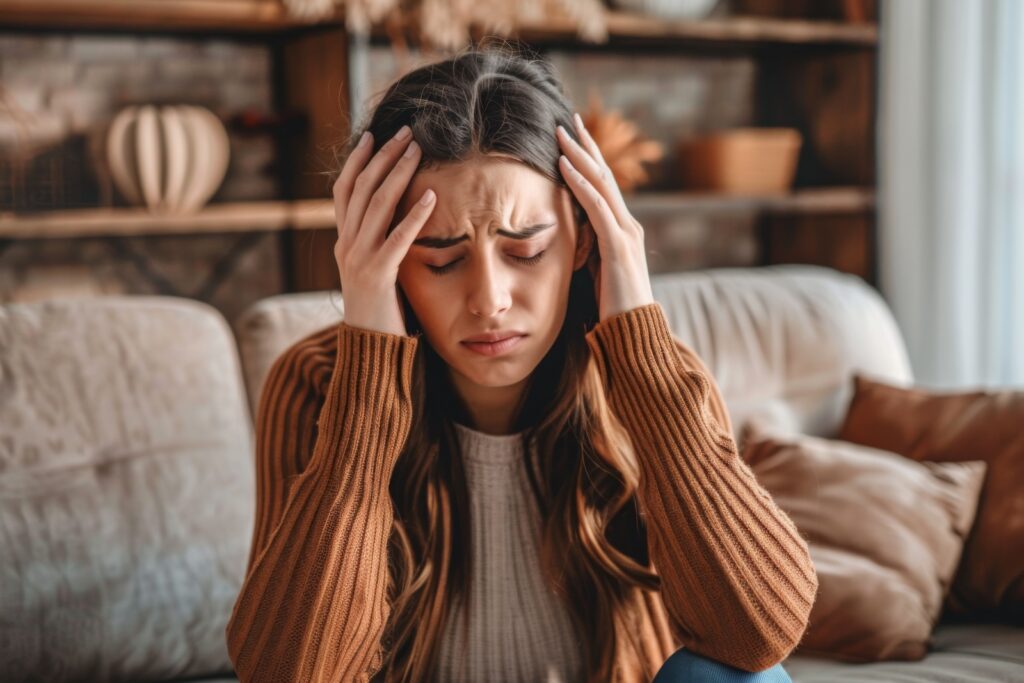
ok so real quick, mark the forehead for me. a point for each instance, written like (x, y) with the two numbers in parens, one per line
(487, 189)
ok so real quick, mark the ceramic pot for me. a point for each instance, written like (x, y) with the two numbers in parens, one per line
(741, 160)
(170, 159)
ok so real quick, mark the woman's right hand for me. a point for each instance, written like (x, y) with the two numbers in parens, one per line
(365, 198)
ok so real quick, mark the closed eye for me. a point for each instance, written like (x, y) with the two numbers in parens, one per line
(530, 260)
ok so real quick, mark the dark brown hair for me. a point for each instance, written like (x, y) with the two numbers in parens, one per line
(504, 99)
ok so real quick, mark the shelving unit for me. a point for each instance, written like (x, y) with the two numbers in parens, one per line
(267, 216)
(813, 74)
(265, 16)
(318, 214)
(269, 16)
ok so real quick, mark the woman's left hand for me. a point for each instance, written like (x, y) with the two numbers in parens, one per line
(623, 282)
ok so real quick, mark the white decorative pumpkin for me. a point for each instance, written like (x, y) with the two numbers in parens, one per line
(170, 159)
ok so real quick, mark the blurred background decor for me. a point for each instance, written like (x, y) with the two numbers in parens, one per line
(290, 88)
(447, 24)
(624, 148)
(170, 159)
(41, 167)
(741, 160)
(668, 9)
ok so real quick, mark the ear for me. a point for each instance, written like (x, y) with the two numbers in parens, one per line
(584, 244)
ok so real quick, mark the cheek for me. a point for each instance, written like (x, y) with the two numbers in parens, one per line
(424, 292)
(556, 267)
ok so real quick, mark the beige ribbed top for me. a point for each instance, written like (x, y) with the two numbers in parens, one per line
(516, 629)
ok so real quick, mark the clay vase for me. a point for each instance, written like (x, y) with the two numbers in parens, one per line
(170, 159)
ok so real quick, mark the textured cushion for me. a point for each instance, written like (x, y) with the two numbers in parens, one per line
(959, 653)
(271, 325)
(949, 426)
(885, 534)
(782, 341)
(126, 489)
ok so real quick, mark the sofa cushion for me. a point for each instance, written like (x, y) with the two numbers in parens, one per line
(959, 653)
(885, 534)
(960, 425)
(783, 340)
(271, 325)
(126, 489)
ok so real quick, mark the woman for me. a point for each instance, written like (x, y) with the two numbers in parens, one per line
(403, 533)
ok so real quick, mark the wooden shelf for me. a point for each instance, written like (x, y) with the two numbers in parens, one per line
(805, 200)
(159, 15)
(271, 16)
(265, 216)
(633, 27)
(313, 214)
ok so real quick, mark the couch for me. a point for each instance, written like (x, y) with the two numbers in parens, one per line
(126, 477)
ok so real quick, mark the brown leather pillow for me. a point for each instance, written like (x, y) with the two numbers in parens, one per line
(885, 534)
(945, 426)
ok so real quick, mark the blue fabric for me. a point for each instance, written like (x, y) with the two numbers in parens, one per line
(685, 666)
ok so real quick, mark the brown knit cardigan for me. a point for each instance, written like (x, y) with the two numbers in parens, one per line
(737, 580)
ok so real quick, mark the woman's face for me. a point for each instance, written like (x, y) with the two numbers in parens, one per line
(471, 271)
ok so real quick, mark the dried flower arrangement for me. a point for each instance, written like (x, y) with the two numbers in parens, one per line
(447, 24)
(623, 147)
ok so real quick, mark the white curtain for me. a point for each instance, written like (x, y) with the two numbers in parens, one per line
(951, 187)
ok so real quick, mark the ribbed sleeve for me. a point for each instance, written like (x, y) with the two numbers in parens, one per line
(737, 578)
(312, 606)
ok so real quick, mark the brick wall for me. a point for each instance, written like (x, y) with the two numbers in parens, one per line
(59, 93)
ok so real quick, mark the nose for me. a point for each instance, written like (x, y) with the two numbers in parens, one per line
(489, 292)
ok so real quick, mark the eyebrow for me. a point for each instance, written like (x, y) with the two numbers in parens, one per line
(445, 242)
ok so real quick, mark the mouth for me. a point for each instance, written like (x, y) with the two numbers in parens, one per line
(497, 347)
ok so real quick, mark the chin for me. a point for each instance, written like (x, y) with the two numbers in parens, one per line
(494, 377)
(492, 372)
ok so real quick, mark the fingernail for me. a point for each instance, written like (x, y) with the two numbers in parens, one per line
(411, 149)
(403, 133)
(363, 139)
(579, 121)
(428, 197)
(561, 130)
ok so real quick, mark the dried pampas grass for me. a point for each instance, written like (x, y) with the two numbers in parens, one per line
(624, 149)
(447, 24)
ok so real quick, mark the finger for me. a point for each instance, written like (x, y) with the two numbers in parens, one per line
(599, 175)
(598, 210)
(618, 201)
(588, 141)
(397, 244)
(382, 205)
(369, 180)
(342, 189)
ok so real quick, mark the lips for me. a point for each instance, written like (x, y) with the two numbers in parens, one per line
(492, 337)
(495, 348)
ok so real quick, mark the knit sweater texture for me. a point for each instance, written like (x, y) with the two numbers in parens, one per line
(737, 580)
